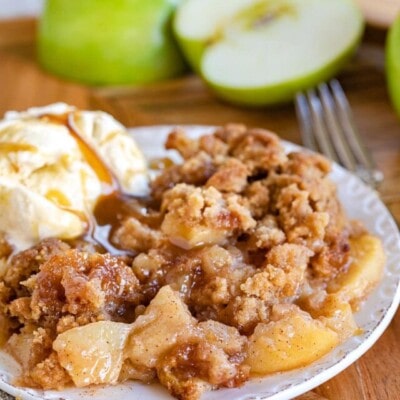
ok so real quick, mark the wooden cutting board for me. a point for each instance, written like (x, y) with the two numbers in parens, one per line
(376, 376)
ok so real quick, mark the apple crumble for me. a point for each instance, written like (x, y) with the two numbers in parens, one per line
(240, 263)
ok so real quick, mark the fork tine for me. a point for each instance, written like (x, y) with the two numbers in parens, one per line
(327, 126)
(319, 128)
(304, 117)
(335, 132)
(366, 167)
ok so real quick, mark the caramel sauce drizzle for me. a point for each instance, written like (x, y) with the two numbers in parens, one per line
(105, 176)
(11, 147)
(112, 205)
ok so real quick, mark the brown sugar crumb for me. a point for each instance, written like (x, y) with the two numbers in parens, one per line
(72, 285)
(259, 149)
(90, 286)
(49, 374)
(195, 171)
(213, 146)
(230, 177)
(282, 275)
(195, 216)
(190, 369)
(245, 313)
(177, 140)
(30, 347)
(213, 359)
(257, 197)
(27, 263)
(136, 236)
(266, 234)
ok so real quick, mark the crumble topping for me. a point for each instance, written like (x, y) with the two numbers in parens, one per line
(239, 239)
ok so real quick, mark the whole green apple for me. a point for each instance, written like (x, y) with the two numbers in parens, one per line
(258, 52)
(393, 64)
(109, 41)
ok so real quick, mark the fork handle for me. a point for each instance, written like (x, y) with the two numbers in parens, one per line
(366, 167)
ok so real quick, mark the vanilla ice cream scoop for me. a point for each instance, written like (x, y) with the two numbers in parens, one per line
(52, 172)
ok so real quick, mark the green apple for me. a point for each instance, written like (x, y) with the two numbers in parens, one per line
(109, 41)
(259, 52)
(393, 64)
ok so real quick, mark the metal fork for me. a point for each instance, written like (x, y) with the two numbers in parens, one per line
(327, 126)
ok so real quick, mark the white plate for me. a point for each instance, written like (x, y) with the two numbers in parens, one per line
(360, 202)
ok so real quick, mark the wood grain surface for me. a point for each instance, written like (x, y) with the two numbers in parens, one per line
(187, 101)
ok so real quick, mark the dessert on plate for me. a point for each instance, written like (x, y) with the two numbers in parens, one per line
(237, 262)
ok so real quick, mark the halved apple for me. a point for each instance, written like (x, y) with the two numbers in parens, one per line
(259, 52)
(393, 64)
(109, 42)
